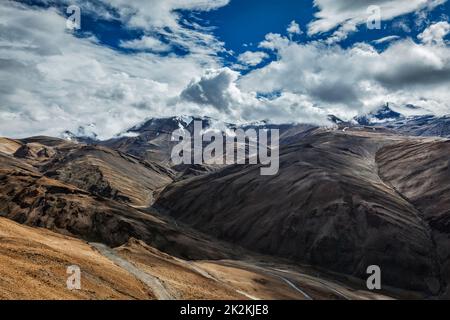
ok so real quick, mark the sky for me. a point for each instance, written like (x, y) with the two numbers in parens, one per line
(233, 60)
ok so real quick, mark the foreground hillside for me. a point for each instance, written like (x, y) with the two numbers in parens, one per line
(34, 263)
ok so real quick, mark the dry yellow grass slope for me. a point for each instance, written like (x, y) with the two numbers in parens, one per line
(34, 263)
(180, 278)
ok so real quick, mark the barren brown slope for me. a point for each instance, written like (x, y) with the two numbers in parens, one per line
(181, 280)
(246, 278)
(98, 170)
(29, 197)
(9, 146)
(421, 173)
(327, 207)
(34, 266)
(109, 173)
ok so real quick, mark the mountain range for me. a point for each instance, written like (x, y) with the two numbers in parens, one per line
(370, 191)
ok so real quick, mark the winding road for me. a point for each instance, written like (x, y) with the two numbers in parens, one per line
(152, 282)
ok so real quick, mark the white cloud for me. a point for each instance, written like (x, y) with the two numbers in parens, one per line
(216, 88)
(274, 41)
(162, 17)
(250, 58)
(219, 89)
(158, 17)
(148, 15)
(435, 33)
(51, 81)
(287, 107)
(402, 25)
(341, 33)
(335, 13)
(294, 28)
(146, 43)
(386, 39)
(349, 81)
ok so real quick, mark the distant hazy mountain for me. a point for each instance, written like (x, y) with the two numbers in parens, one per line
(151, 140)
(82, 134)
(425, 126)
(379, 116)
(403, 122)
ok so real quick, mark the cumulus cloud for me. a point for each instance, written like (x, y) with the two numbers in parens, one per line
(216, 88)
(312, 70)
(287, 107)
(220, 89)
(274, 41)
(435, 33)
(294, 28)
(356, 79)
(146, 43)
(250, 58)
(51, 81)
(411, 66)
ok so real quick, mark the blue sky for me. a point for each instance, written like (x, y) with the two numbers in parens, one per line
(245, 22)
(238, 60)
(242, 25)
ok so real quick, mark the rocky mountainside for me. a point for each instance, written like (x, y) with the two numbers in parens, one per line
(99, 170)
(420, 172)
(328, 207)
(45, 183)
(30, 197)
(152, 139)
(346, 196)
